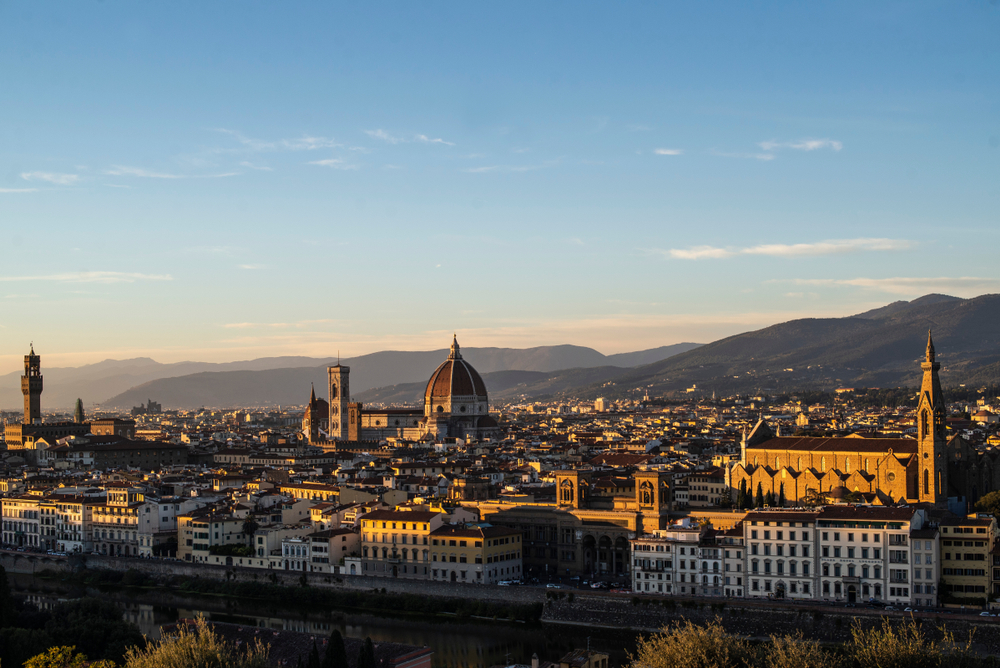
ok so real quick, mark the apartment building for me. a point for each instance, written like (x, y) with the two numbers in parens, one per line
(396, 543)
(780, 555)
(706, 489)
(966, 547)
(479, 553)
(21, 521)
(65, 523)
(732, 545)
(114, 523)
(665, 561)
(200, 530)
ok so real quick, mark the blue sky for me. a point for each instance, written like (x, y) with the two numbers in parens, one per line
(221, 181)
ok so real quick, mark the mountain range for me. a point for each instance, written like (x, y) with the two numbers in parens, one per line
(286, 380)
(878, 348)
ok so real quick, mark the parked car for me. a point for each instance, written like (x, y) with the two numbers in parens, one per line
(553, 585)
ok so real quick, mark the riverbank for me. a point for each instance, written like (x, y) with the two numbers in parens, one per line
(593, 609)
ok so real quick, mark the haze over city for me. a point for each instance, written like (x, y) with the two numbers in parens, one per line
(223, 182)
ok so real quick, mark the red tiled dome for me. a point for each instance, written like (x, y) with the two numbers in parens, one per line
(455, 378)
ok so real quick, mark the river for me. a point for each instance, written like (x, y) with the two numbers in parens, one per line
(456, 645)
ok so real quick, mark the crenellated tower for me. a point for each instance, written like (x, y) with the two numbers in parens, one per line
(31, 388)
(339, 377)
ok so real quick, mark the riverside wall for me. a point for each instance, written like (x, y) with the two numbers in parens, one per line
(751, 618)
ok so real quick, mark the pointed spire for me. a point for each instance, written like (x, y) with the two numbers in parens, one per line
(312, 395)
(930, 347)
(455, 351)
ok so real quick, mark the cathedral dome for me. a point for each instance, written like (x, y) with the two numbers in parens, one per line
(455, 388)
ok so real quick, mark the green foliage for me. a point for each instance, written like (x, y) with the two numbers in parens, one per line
(759, 500)
(990, 503)
(19, 645)
(6, 601)
(63, 657)
(231, 550)
(366, 655)
(899, 644)
(197, 647)
(336, 653)
(93, 626)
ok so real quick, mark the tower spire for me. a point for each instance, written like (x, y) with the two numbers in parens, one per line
(456, 353)
(930, 348)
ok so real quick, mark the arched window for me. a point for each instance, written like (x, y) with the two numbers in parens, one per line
(924, 424)
(777, 462)
(927, 481)
(822, 464)
(940, 486)
(868, 464)
(847, 465)
(799, 466)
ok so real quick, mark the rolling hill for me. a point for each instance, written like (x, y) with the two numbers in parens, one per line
(278, 386)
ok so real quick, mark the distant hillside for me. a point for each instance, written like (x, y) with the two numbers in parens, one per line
(504, 385)
(881, 348)
(95, 382)
(285, 386)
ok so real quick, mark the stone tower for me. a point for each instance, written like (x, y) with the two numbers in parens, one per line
(339, 381)
(31, 388)
(932, 479)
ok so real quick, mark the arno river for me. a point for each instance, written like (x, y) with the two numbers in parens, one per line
(456, 645)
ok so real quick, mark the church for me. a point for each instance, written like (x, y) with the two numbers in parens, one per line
(882, 470)
(456, 405)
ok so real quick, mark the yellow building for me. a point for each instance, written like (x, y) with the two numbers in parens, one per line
(966, 544)
(884, 470)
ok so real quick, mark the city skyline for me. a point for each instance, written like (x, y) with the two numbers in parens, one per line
(224, 183)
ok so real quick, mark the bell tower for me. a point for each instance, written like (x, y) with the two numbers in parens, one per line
(931, 438)
(31, 388)
(339, 377)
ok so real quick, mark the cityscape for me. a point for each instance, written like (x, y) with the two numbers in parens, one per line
(499, 336)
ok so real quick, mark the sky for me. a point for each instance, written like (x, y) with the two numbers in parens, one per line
(231, 180)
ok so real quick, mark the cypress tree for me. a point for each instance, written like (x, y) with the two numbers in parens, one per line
(336, 653)
(759, 501)
(366, 655)
(313, 661)
(78, 413)
(769, 499)
(781, 495)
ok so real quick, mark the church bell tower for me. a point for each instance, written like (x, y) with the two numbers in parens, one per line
(931, 438)
(339, 377)
(31, 388)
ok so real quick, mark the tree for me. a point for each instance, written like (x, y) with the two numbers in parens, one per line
(904, 645)
(990, 503)
(794, 651)
(336, 653)
(78, 413)
(769, 499)
(93, 626)
(197, 647)
(250, 527)
(742, 501)
(63, 657)
(759, 501)
(812, 498)
(366, 655)
(686, 645)
(781, 495)
(7, 613)
(313, 657)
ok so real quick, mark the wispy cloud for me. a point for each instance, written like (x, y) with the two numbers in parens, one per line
(52, 177)
(753, 156)
(120, 170)
(301, 324)
(393, 139)
(511, 168)
(250, 165)
(335, 163)
(251, 266)
(303, 143)
(90, 277)
(829, 247)
(431, 140)
(668, 151)
(18, 190)
(638, 128)
(802, 144)
(963, 286)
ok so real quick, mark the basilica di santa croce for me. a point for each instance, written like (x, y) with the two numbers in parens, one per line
(456, 405)
(930, 468)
